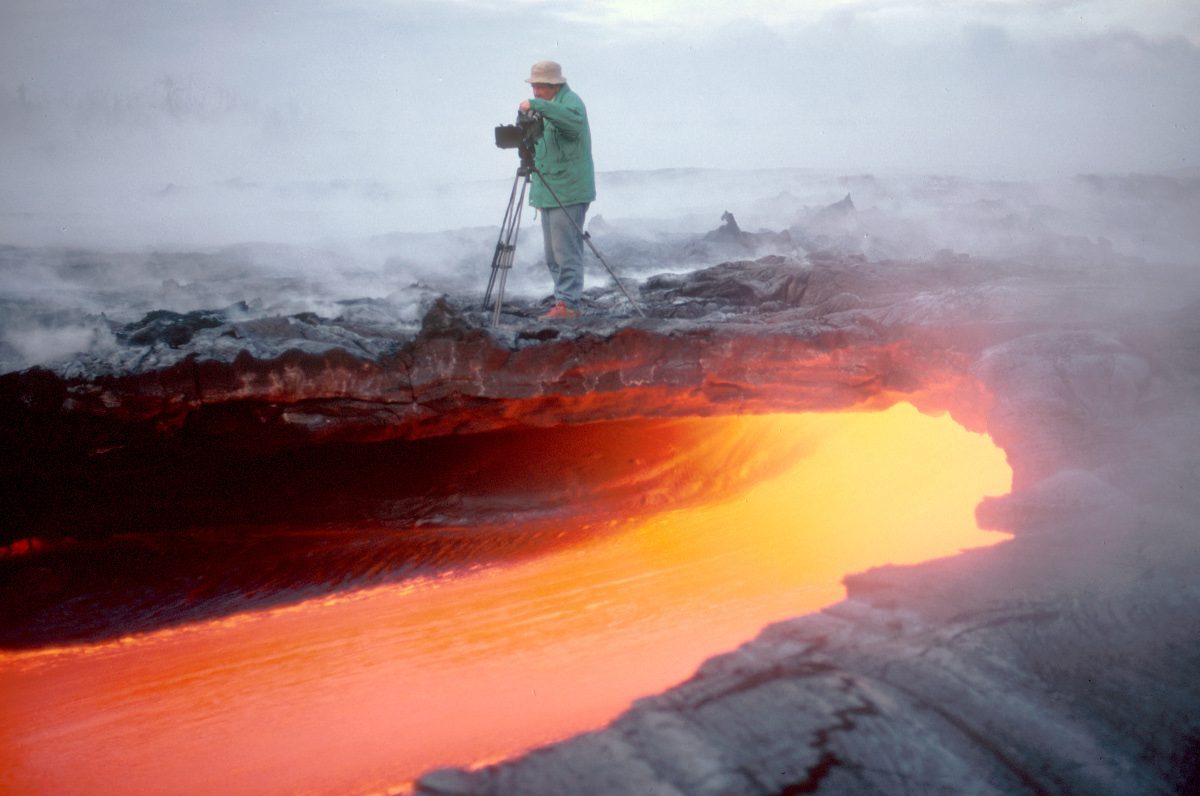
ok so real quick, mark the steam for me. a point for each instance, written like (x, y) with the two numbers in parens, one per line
(167, 155)
(61, 302)
(39, 342)
(173, 124)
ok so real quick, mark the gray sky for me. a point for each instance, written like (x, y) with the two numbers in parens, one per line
(104, 101)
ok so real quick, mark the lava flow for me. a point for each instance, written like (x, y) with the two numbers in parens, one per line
(360, 692)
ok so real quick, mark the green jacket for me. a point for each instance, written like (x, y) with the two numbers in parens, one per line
(564, 153)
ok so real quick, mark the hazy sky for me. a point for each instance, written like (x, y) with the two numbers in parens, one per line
(114, 96)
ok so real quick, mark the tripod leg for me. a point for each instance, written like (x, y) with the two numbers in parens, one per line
(499, 298)
(506, 246)
(588, 239)
(506, 233)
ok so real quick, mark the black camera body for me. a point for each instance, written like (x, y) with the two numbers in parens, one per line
(523, 135)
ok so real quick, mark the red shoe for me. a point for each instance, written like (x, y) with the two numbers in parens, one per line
(560, 311)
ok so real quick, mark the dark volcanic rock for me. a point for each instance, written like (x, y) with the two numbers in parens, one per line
(318, 380)
(728, 232)
(1064, 661)
(773, 282)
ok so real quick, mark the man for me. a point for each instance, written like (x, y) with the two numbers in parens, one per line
(567, 182)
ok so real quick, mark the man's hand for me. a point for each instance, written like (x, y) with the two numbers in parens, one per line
(524, 106)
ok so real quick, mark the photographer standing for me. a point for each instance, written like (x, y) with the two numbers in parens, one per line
(565, 183)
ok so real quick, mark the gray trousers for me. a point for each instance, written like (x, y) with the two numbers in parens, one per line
(564, 251)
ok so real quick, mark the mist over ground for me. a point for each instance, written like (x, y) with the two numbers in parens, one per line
(279, 158)
(173, 123)
(61, 302)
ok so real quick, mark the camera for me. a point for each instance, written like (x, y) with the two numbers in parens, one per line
(524, 134)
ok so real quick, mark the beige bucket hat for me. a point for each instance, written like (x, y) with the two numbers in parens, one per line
(546, 72)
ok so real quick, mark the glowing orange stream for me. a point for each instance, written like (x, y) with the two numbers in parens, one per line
(360, 693)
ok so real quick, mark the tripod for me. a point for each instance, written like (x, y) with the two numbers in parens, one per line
(506, 245)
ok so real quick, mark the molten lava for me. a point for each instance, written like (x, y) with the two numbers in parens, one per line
(361, 692)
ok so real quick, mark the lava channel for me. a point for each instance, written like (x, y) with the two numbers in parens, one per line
(753, 520)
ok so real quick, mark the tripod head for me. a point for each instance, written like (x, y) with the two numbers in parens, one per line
(526, 168)
(522, 136)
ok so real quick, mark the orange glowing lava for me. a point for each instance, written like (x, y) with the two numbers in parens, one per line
(362, 692)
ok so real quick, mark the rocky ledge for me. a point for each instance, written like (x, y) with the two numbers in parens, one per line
(1063, 661)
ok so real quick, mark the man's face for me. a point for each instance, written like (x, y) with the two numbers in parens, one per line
(545, 91)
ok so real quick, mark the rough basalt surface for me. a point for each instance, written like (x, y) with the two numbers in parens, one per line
(1064, 661)
(742, 336)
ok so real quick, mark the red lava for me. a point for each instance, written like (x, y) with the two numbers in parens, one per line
(362, 692)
